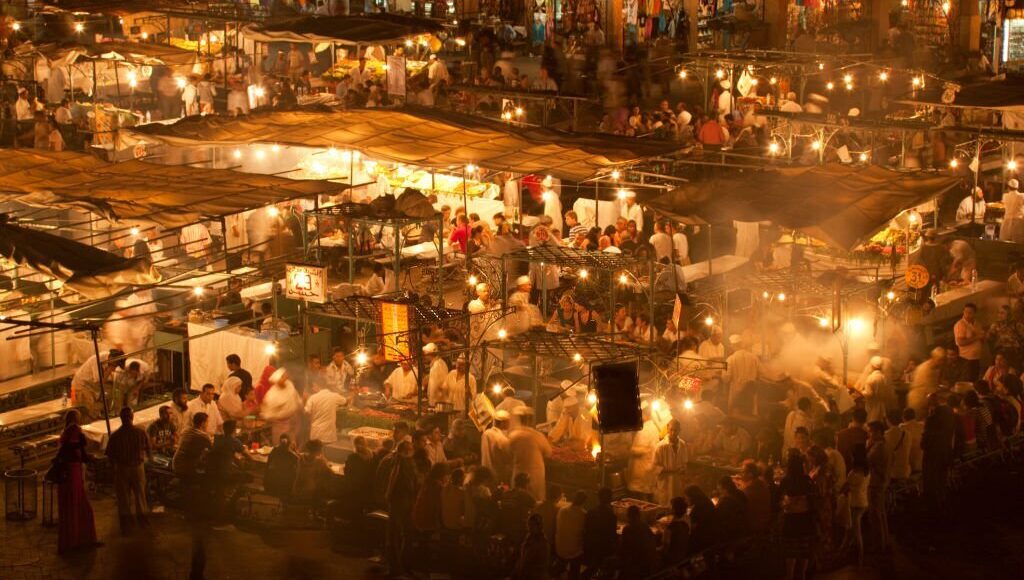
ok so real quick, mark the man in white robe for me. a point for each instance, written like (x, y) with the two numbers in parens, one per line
(1012, 229)
(435, 379)
(670, 459)
(494, 449)
(641, 473)
(455, 385)
(742, 367)
(875, 391)
(401, 383)
(528, 449)
(574, 426)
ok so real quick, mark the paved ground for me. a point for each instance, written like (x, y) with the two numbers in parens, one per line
(28, 551)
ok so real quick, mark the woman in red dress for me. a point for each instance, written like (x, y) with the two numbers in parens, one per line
(76, 527)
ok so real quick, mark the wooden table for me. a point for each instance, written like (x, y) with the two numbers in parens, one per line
(33, 413)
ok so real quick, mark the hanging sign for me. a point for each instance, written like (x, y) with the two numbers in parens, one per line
(304, 282)
(395, 330)
(917, 276)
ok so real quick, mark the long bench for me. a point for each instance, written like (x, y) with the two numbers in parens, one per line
(35, 388)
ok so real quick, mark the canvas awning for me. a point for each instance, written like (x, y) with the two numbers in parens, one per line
(92, 272)
(840, 205)
(353, 30)
(66, 53)
(422, 137)
(170, 196)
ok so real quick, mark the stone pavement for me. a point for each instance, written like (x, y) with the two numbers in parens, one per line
(28, 551)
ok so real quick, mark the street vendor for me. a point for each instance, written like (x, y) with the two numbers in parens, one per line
(85, 384)
(434, 382)
(128, 381)
(971, 208)
(339, 373)
(528, 449)
(455, 385)
(282, 405)
(482, 323)
(526, 315)
(641, 472)
(670, 459)
(574, 426)
(494, 452)
(509, 402)
(401, 383)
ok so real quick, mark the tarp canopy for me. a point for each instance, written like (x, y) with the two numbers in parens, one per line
(92, 272)
(170, 196)
(1003, 95)
(131, 52)
(840, 205)
(422, 137)
(364, 29)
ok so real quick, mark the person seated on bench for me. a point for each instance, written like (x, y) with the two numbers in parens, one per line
(282, 465)
(313, 478)
(224, 470)
(163, 435)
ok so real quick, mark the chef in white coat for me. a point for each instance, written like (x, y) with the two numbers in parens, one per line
(574, 426)
(642, 476)
(435, 379)
(528, 449)
(401, 383)
(455, 385)
(1012, 229)
(972, 207)
(494, 452)
(526, 315)
(631, 211)
(670, 458)
(741, 367)
(875, 391)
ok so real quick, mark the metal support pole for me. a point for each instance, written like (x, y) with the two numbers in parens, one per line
(440, 261)
(94, 334)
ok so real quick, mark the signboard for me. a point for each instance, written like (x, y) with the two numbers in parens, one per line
(396, 76)
(395, 328)
(1013, 40)
(917, 277)
(307, 283)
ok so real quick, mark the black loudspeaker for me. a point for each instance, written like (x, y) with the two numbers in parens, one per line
(618, 397)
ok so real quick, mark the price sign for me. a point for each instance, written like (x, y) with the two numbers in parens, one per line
(304, 282)
(917, 277)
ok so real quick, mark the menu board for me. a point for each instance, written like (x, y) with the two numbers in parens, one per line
(396, 76)
(395, 328)
(1013, 40)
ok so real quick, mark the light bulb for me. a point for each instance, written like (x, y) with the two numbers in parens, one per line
(275, 148)
(773, 148)
(815, 145)
(953, 163)
(506, 116)
(857, 325)
(135, 232)
(830, 85)
(592, 398)
(847, 79)
(765, 295)
(260, 154)
(502, 334)
(519, 111)
(912, 217)
(272, 211)
(821, 66)
(213, 38)
(623, 279)
(145, 36)
(133, 83)
(546, 196)
(270, 349)
(408, 43)
(890, 295)
(656, 405)
(181, 82)
(883, 76)
(916, 81)
(584, 273)
(621, 194)
(470, 168)
(1011, 165)
(259, 92)
(616, 174)
(577, 357)
(362, 358)
(719, 74)
(472, 280)
(781, 296)
(460, 41)
(198, 290)
(79, 27)
(709, 321)
(682, 74)
(688, 404)
(823, 322)
(16, 26)
(595, 450)
(496, 389)
(849, 86)
(863, 157)
(946, 7)
(237, 153)
(773, 80)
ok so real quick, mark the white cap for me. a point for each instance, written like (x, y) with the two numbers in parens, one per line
(1013, 184)
(430, 348)
(522, 280)
(876, 362)
(502, 415)
(854, 112)
(481, 287)
(735, 339)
